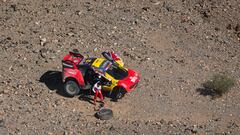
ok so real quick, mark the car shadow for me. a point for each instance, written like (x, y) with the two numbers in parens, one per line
(53, 80)
(206, 92)
(88, 95)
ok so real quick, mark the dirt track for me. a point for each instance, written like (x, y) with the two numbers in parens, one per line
(175, 45)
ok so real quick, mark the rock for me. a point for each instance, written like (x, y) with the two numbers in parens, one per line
(216, 28)
(25, 42)
(229, 27)
(52, 57)
(43, 41)
(10, 68)
(70, 34)
(155, 2)
(55, 41)
(95, 49)
(14, 7)
(37, 23)
(43, 52)
(88, 125)
(185, 18)
(2, 123)
(78, 12)
(194, 129)
(35, 51)
(168, 6)
(206, 14)
(232, 125)
(145, 8)
(237, 28)
(58, 102)
(112, 128)
(6, 91)
(50, 133)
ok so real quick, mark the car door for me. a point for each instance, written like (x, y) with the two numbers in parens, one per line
(114, 82)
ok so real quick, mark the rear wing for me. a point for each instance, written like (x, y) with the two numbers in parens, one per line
(67, 64)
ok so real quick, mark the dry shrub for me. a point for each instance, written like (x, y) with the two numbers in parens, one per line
(219, 84)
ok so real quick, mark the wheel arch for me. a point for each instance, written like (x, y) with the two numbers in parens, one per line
(123, 90)
(123, 85)
(119, 86)
(116, 91)
(71, 79)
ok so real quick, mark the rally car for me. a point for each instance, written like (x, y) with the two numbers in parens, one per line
(81, 74)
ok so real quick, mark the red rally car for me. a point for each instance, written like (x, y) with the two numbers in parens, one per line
(81, 74)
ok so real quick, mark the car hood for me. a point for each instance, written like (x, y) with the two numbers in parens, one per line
(130, 81)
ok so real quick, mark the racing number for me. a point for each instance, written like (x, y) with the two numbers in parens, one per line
(133, 78)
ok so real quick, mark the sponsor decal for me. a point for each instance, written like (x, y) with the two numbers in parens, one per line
(67, 65)
(133, 78)
(72, 72)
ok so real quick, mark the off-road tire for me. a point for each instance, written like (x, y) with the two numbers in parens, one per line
(104, 114)
(118, 93)
(71, 88)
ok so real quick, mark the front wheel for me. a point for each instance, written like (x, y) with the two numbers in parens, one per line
(71, 88)
(118, 93)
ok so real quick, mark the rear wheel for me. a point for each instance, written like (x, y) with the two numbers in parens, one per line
(118, 93)
(71, 88)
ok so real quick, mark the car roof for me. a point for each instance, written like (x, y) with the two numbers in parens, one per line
(101, 65)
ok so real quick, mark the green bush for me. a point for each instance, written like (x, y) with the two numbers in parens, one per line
(219, 84)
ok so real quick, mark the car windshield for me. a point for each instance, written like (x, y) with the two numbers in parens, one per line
(117, 73)
(104, 66)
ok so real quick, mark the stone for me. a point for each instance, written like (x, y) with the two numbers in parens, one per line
(43, 41)
(2, 123)
(6, 91)
(70, 34)
(43, 52)
(194, 129)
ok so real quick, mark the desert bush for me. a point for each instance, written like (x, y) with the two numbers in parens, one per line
(219, 84)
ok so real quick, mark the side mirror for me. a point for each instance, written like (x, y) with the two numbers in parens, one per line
(106, 55)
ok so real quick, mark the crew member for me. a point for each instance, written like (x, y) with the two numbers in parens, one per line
(97, 89)
(115, 57)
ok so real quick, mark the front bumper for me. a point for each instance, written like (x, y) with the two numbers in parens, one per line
(134, 86)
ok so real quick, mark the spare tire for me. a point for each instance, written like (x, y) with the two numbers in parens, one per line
(104, 114)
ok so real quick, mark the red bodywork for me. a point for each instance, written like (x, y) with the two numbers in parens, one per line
(114, 56)
(130, 81)
(70, 68)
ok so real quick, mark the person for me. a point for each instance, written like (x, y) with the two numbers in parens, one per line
(115, 57)
(97, 89)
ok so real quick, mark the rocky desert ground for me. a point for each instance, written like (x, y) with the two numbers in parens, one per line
(175, 45)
